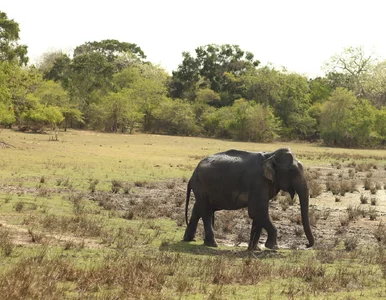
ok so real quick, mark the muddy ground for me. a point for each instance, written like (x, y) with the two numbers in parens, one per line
(329, 216)
(334, 218)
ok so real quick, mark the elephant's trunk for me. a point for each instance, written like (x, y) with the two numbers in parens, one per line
(302, 190)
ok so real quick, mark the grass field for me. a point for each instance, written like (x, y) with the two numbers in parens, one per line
(101, 216)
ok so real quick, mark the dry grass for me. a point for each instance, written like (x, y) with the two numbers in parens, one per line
(126, 241)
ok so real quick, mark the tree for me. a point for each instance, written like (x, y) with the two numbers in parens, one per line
(335, 115)
(320, 89)
(112, 50)
(149, 91)
(10, 50)
(292, 104)
(7, 117)
(175, 117)
(347, 121)
(89, 75)
(349, 68)
(51, 93)
(120, 111)
(379, 125)
(245, 121)
(211, 68)
(375, 85)
(38, 117)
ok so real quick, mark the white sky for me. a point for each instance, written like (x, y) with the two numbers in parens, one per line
(297, 34)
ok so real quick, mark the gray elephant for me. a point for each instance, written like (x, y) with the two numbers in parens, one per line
(236, 179)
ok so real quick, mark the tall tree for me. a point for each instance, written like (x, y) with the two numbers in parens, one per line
(375, 85)
(209, 68)
(10, 50)
(349, 68)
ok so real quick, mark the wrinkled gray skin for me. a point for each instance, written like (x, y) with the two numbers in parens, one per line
(235, 179)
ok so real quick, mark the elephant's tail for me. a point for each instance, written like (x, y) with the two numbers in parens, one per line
(187, 201)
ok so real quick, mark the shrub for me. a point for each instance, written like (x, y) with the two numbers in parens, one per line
(351, 243)
(6, 243)
(367, 183)
(373, 214)
(314, 188)
(364, 199)
(116, 185)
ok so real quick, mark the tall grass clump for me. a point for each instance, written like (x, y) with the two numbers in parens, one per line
(6, 243)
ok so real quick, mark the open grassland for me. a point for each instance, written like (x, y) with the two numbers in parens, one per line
(101, 216)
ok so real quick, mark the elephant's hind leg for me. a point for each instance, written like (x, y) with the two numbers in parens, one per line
(191, 229)
(208, 219)
(255, 235)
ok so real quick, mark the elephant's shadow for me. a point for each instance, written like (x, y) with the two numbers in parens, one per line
(193, 248)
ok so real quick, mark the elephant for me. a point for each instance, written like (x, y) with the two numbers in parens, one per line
(236, 179)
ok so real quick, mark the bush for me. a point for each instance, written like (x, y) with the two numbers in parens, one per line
(175, 117)
(244, 121)
(347, 122)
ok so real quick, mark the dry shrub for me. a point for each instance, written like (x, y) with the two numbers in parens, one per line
(314, 216)
(80, 225)
(140, 277)
(362, 167)
(373, 214)
(105, 200)
(19, 206)
(345, 187)
(315, 188)
(6, 243)
(351, 173)
(364, 199)
(116, 185)
(36, 237)
(283, 203)
(333, 186)
(226, 221)
(93, 184)
(367, 183)
(139, 183)
(326, 256)
(351, 243)
(353, 212)
(171, 185)
(373, 189)
(380, 233)
(37, 278)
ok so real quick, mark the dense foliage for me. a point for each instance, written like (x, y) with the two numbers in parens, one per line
(220, 91)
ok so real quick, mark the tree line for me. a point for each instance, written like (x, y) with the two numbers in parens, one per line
(217, 91)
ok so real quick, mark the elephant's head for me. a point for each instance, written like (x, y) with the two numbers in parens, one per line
(287, 174)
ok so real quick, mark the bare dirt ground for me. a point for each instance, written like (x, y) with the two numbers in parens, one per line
(331, 222)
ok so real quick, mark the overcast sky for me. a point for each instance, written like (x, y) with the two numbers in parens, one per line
(297, 34)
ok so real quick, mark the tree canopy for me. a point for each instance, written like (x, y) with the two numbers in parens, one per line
(218, 91)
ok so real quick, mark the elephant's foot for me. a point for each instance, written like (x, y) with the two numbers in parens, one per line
(210, 243)
(189, 238)
(271, 245)
(257, 248)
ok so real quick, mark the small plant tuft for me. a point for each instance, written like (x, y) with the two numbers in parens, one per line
(364, 199)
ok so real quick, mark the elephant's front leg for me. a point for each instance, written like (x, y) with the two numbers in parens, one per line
(255, 235)
(271, 242)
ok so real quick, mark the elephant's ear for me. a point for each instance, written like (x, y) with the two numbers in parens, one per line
(268, 169)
